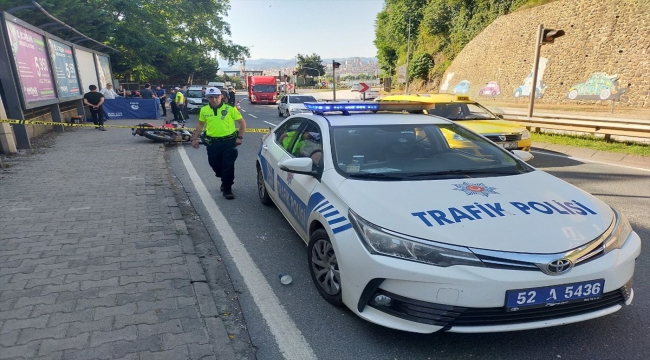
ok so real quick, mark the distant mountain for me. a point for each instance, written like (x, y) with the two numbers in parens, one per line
(262, 64)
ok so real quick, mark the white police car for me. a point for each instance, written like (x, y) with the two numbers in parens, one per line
(415, 234)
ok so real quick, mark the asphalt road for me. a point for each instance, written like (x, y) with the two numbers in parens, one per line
(335, 333)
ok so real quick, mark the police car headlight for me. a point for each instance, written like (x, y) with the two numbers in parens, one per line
(619, 234)
(192, 102)
(525, 135)
(385, 242)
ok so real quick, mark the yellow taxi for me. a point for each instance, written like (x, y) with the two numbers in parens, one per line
(473, 116)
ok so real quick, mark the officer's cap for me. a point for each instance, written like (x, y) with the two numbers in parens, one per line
(212, 91)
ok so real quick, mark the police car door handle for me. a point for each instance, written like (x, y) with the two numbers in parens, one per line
(265, 147)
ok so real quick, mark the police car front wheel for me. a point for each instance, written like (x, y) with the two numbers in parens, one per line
(324, 267)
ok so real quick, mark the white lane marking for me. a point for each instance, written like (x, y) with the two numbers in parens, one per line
(288, 337)
(270, 123)
(252, 115)
(589, 161)
(243, 110)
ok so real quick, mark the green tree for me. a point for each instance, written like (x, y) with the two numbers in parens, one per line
(161, 40)
(310, 65)
(420, 66)
(440, 28)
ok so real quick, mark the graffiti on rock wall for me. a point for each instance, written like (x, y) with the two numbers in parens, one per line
(525, 89)
(599, 86)
(462, 87)
(490, 89)
(445, 85)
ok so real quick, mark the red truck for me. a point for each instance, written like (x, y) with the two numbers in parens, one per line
(262, 89)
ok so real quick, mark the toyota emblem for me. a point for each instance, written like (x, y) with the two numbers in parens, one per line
(559, 266)
(502, 137)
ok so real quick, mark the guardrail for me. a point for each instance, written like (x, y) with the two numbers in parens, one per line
(635, 128)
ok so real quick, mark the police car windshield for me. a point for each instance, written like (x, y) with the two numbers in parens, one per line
(418, 152)
(461, 111)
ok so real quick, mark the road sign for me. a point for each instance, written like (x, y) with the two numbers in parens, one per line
(289, 86)
(401, 74)
(364, 87)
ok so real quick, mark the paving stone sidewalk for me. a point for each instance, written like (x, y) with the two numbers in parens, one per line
(95, 262)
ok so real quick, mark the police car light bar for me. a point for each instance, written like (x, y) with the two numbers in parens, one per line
(321, 108)
(345, 107)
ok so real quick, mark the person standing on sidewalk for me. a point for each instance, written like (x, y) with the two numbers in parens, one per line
(160, 92)
(221, 137)
(94, 100)
(146, 93)
(108, 92)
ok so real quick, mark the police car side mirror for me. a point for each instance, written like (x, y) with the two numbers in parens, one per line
(298, 166)
(523, 155)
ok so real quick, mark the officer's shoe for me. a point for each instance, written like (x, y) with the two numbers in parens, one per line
(227, 193)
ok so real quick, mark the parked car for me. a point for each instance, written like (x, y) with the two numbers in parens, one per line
(291, 104)
(195, 98)
(490, 89)
(599, 86)
(412, 233)
(474, 116)
(369, 94)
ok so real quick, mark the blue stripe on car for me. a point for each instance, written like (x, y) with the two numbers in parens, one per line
(337, 220)
(342, 228)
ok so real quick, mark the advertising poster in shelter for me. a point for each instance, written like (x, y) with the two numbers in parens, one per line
(104, 70)
(64, 69)
(87, 71)
(33, 69)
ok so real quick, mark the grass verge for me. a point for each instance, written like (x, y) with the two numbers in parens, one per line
(592, 142)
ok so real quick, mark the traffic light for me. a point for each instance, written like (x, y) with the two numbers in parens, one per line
(549, 35)
(335, 64)
(381, 81)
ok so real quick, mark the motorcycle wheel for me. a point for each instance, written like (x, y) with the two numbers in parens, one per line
(159, 135)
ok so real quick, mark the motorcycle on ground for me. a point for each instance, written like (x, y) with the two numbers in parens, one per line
(172, 131)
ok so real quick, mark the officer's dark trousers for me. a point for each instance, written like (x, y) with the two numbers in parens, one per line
(98, 116)
(221, 157)
(175, 111)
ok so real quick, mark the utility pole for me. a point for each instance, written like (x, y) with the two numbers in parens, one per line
(408, 53)
(544, 36)
(533, 86)
(334, 80)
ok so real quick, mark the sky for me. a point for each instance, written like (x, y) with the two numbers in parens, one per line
(280, 29)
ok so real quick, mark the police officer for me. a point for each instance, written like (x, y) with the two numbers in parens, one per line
(221, 137)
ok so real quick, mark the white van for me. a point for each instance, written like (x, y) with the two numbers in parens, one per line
(195, 98)
(218, 84)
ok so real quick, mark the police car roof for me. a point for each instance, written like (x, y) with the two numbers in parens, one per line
(382, 118)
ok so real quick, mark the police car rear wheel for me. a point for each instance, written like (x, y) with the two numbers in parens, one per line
(261, 189)
(324, 267)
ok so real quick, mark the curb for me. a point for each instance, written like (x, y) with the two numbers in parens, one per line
(218, 335)
(597, 155)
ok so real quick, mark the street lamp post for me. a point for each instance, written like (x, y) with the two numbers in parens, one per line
(544, 36)
(408, 53)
